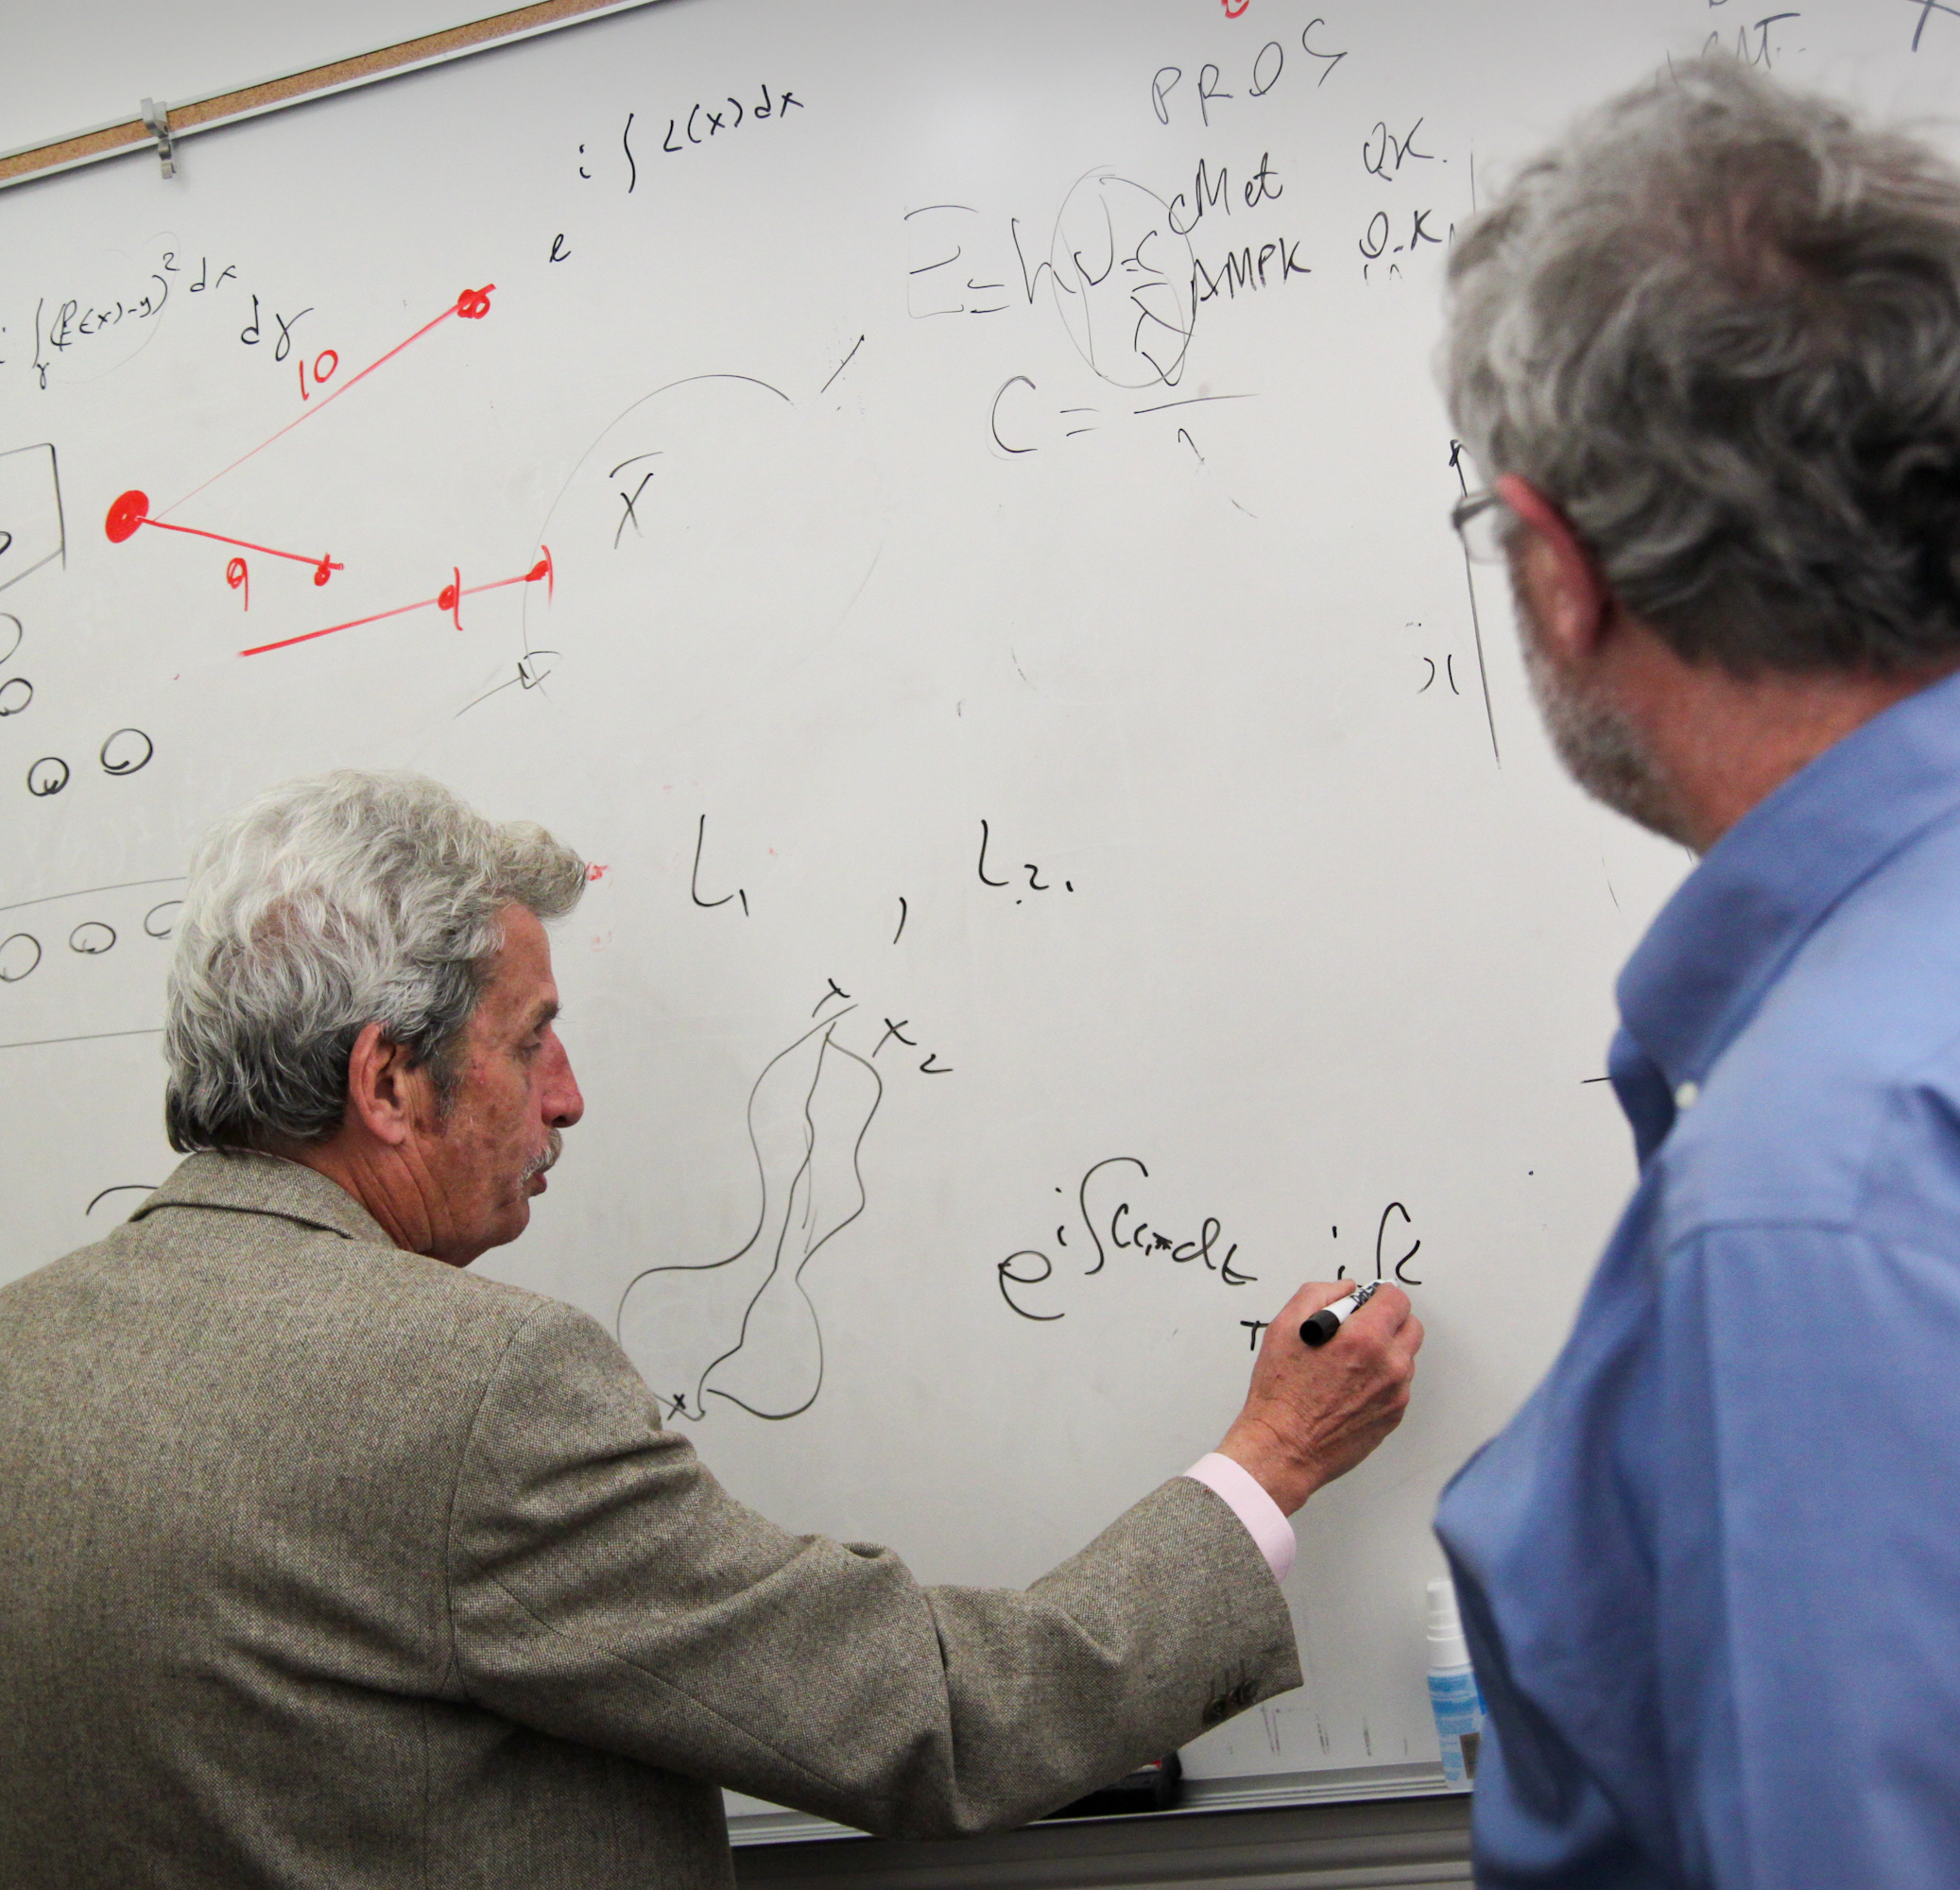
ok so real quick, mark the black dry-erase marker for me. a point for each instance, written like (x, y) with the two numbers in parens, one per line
(1330, 1320)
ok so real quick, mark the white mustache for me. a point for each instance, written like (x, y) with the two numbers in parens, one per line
(554, 1148)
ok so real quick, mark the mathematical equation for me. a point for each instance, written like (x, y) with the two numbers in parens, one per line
(1107, 1216)
(701, 123)
(1111, 1223)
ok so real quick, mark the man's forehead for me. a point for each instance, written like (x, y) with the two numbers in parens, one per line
(519, 977)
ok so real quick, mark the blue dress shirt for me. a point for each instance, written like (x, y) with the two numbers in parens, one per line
(1711, 1572)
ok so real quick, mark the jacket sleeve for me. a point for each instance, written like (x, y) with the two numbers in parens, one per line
(605, 1589)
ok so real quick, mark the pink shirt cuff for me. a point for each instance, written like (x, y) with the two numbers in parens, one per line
(1244, 1495)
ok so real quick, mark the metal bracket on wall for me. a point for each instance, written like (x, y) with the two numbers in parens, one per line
(157, 118)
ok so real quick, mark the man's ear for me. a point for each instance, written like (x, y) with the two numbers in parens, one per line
(1569, 599)
(384, 1093)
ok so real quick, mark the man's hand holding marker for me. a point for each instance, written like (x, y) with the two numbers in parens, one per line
(1315, 1409)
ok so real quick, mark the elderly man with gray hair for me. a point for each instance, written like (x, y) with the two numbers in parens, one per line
(1709, 350)
(324, 1563)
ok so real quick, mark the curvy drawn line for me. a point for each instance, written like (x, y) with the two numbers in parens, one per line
(797, 1278)
(701, 1387)
(1082, 1201)
(1381, 1231)
(523, 679)
(559, 498)
(993, 421)
(120, 1188)
(626, 139)
(86, 892)
(93, 1037)
(1195, 400)
(486, 697)
(687, 380)
(1001, 1277)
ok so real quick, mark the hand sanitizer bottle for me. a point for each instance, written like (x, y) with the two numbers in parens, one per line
(1453, 1687)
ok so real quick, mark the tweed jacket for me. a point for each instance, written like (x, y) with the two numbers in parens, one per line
(327, 1565)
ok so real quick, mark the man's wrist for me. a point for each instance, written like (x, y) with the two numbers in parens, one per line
(1248, 1500)
(1257, 1450)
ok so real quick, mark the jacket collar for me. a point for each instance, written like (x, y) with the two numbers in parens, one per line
(1725, 937)
(248, 1183)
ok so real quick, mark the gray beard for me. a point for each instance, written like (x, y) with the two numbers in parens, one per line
(1600, 746)
(554, 1148)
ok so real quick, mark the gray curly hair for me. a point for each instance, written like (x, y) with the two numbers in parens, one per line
(322, 906)
(1718, 324)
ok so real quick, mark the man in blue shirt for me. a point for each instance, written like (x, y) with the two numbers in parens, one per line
(1710, 1573)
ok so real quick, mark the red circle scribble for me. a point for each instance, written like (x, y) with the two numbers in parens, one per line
(473, 305)
(323, 365)
(324, 570)
(239, 579)
(1234, 7)
(124, 516)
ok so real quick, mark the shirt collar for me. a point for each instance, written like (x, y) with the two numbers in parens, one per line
(252, 1183)
(1699, 974)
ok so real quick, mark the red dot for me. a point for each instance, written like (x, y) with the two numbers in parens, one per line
(124, 516)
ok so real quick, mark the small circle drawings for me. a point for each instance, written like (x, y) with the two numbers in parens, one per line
(18, 957)
(92, 938)
(160, 921)
(125, 752)
(15, 694)
(49, 775)
(10, 634)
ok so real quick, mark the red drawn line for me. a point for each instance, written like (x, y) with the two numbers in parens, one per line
(473, 305)
(449, 598)
(132, 509)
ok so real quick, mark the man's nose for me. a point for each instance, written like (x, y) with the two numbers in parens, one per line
(563, 1104)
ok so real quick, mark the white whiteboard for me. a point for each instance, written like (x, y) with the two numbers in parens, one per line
(895, 492)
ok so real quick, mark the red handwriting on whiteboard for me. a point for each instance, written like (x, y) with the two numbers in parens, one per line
(132, 512)
(449, 598)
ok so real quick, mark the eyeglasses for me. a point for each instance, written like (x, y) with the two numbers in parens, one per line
(1482, 520)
